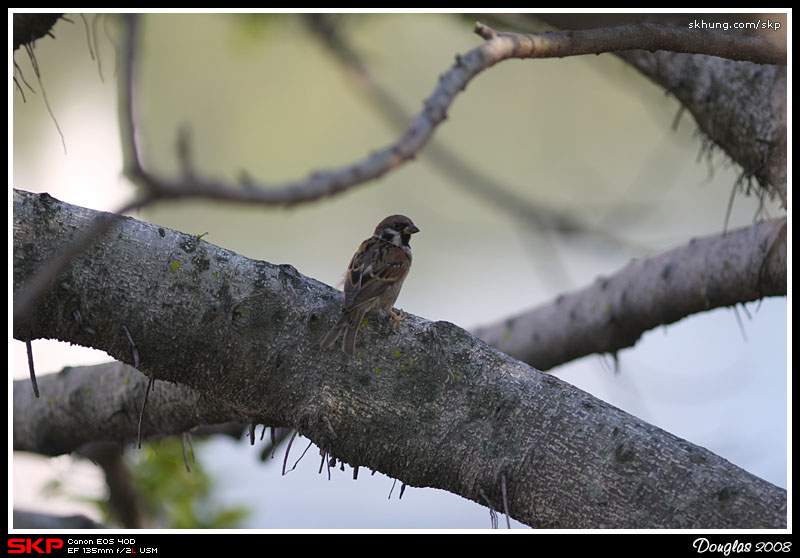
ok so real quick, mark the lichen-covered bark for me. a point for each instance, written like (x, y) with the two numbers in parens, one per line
(430, 404)
(613, 313)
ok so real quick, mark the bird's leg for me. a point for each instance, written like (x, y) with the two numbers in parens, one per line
(397, 317)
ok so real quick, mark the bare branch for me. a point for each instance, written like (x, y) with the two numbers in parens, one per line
(31, 370)
(34, 520)
(429, 404)
(712, 88)
(30, 27)
(123, 499)
(498, 47)
(101, 403)
(463, 174)
(637, 36)
(611, 314)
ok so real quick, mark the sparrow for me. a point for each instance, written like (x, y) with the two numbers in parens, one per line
(374, 278)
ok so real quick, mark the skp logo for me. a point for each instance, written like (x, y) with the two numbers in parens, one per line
(29, 546)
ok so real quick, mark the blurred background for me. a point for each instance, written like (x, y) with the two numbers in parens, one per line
(584, 137)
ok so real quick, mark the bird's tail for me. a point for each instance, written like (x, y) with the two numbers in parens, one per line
(333, 334)
(348, 322)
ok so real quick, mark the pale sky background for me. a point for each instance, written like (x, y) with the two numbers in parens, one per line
(587, 135)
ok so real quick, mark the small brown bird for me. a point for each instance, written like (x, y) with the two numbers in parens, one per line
(374, 278)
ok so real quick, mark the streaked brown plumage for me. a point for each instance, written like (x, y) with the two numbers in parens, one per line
(374, 278)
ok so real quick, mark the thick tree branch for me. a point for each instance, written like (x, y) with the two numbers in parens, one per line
(34, 520)
(50, 268)
(757, 142)
(123, 499)
(496, 48)
(30, 27)
(639, 36)
(713, 88)
(429, 404)
(101, 404)
(720, 270)
(463, 174)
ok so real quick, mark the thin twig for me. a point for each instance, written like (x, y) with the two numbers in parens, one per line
(505, 499)
(640, 36)
(492, 512)
(497, 48)
(134, 348)
(286, 455)
(183, 449)
(31, 371)
(150, 384)
(302, 455)
(739, 321)
(194, 408)
(463, 174)
(35, 66)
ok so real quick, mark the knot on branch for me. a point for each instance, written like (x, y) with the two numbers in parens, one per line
(485, 31)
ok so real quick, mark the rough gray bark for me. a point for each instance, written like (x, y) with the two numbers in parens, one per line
(611, 314)
(430, 405)
(102, 403)
(34, 520)
(30, 27)
(739, 106)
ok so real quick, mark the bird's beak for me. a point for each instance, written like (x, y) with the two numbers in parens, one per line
(411, 229)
